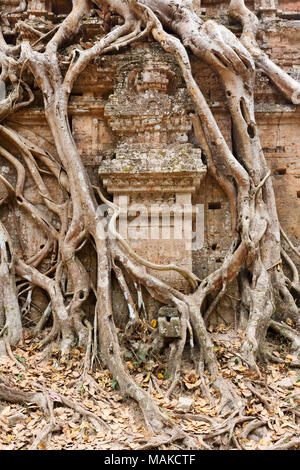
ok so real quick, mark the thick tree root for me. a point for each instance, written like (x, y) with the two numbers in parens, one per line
(243, 173)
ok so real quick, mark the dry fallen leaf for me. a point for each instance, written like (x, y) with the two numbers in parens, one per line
(289, 358)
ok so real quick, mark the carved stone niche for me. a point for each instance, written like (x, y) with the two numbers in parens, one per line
(169, 322)
(155, 170)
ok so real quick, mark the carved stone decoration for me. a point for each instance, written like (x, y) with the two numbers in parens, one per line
(268, 8)
(155, 171)
(169, 322)
(149, 107)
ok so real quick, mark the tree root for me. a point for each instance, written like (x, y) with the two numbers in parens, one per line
(51, 427)
(45, 399)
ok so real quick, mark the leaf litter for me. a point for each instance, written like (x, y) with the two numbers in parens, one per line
(272, 402)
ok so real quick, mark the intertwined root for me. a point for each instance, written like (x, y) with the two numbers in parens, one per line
(45, 400)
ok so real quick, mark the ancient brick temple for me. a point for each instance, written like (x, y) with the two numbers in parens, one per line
(130, 117)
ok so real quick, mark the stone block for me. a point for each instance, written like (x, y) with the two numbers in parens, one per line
(169, 322)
